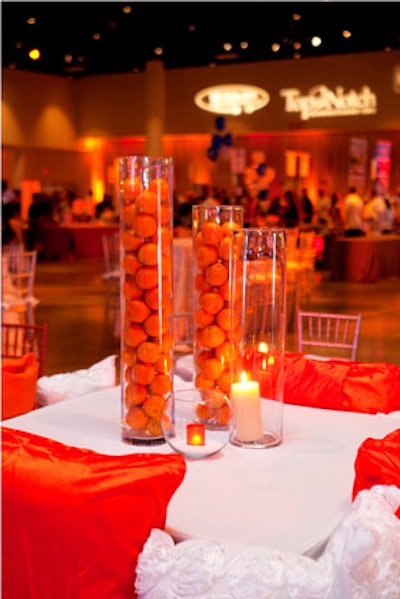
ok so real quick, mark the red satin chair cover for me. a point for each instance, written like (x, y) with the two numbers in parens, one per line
(378, 463)
(339, 385)
(75, 521)
(18, 385)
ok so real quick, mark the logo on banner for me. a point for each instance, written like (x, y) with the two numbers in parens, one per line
(321, 102)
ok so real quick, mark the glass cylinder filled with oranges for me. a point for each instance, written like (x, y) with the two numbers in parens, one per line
(146, 231)
(212, 230)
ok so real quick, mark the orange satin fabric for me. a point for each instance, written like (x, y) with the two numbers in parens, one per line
(368, 387)
(75, 521)
(18, 385)
(378, 463)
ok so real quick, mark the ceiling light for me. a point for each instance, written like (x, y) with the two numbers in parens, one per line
(232, 99)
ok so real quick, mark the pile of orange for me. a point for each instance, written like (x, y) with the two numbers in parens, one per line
(213, 347)
(146, 303)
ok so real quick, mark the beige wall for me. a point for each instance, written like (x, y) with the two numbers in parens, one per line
(45, 117)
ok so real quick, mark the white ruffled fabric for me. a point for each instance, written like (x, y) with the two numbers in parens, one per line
(360, 561)
(60, 387)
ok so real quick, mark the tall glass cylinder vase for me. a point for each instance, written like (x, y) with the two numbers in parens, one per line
(259, 325)
(146, 227)
(213, 229)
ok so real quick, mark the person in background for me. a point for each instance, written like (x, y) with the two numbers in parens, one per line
(289, 211)
(307, 207)
(104, 210)
(375, 210)
(354, 225)
(12, 233)
(323, 212)
(336, 215)
(7, 195)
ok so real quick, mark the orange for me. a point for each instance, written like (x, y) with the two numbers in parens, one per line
(202, 356)
(211, 301)
(161, 384)
(155, 326)
(154, 427)
(211, 233)
(203, 383)
(200, 283)
(136, 418)
(143, 373)
(212, 336)
(147, 202)
(131, 290)
(148, 254)
(167, 342)
(160, 187)
(135, 394)
(145, 225)
(224, 318)
(148, 351)
(152, 297)
(153, 405)
(203, 318)
(225, 290)
(131, 187)
(203, 411)
(225, 248)
(134, 335)
(229, 227)
(130, 242)
(137, 310)
(163, 363)
(206, 255)
(166, 265)
(130, 264)
(226, 353)
(128, 214)
(216, 274)
(224, 381)
(147, 277)
(222, 415)
(128, 355)
(166, 236)
(212, 369)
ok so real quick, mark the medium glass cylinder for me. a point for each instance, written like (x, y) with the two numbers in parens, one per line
(146, 228)
(258, 336)
(213, 229)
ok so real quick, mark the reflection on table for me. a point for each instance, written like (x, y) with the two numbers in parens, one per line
(280, 498)
(365, 259)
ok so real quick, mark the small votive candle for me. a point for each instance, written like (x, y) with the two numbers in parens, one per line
(195, 433)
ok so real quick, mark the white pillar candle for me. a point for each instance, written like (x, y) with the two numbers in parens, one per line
(247, 410)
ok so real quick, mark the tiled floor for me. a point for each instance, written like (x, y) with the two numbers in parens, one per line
(72, 302)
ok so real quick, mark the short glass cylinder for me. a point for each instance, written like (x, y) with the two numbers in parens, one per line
(213, 229)
(197, 423)
(258, 336)
(146, 231)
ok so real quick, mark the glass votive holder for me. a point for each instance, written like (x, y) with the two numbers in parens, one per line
(197, 422)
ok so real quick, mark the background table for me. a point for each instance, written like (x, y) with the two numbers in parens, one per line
(60, 242)
(289, 497)
(365, 259)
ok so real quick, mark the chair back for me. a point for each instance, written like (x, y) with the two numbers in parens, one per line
(331, 335)
(111, 253)
(20, 267)
(20, 339)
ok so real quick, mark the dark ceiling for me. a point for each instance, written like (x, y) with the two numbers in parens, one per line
(190, 33)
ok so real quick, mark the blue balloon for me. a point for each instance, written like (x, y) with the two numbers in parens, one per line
(220, 123)
(212, 153)
(228, 139)
(216, 141)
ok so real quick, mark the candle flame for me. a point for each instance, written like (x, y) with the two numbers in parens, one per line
(263, 347)
(244, 377)
(271, 360)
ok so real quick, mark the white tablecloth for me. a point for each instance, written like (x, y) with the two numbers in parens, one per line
(288, 497)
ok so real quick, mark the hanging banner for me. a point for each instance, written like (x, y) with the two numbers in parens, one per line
(383, 162)
(358, 163)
